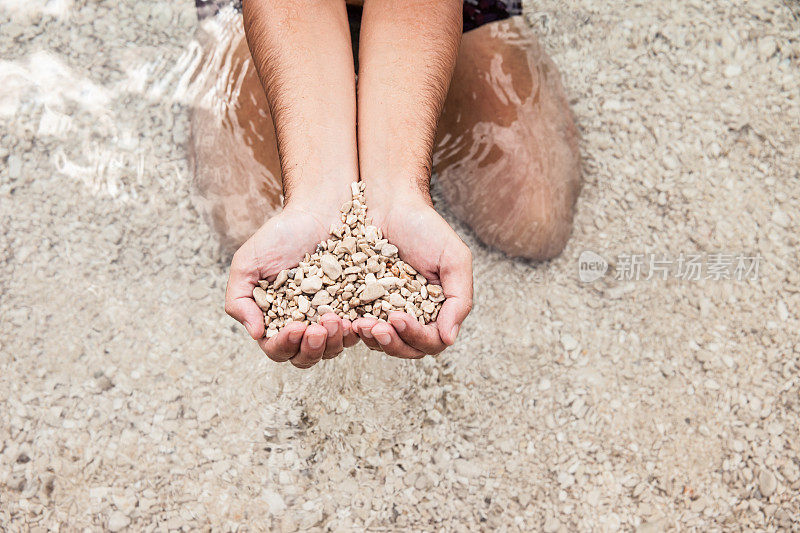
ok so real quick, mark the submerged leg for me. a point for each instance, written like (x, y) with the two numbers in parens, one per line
(507, 146)
(233, 151)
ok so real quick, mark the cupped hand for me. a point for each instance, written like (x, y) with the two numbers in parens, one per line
(428, 243)
(279, 244)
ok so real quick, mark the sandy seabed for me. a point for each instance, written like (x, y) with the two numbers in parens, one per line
(129, 399)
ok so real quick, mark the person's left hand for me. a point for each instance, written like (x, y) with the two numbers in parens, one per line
(428, 243)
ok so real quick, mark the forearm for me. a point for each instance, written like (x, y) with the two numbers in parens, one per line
(407, 53)
(303, 55)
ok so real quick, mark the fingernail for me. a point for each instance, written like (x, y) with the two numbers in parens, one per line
(399, 324)
(383, 338)
(295, 336)
(367, 333)
(331, 327)
(315, 341)
(454, 332)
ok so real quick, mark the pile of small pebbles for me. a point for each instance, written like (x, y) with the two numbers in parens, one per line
(355, 273)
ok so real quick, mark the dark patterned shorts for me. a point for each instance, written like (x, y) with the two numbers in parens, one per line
(476, 12)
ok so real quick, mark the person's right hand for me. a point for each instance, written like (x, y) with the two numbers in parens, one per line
(427, 243)
(279, 244)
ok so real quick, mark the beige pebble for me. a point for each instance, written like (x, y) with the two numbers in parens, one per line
(348, 245)
(260, 296)
(303, 304)
(371, 234)
(767, 483)
(389, 250)
(397, 301)
(283, 275)
(334, 289)
(311, 284)
(412, 310)
(321, 298)
(371, 292)
(435, 291)
(390, 282)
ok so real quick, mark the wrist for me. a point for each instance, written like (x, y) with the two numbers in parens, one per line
(322, 200)
(383, 194)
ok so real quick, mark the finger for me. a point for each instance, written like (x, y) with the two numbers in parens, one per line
(391, 343)
(239, 301)
(456, 276)
(423, 338)
(285, 344)
(333, 344)
(350, 337)
(312, 347)
(362, 327)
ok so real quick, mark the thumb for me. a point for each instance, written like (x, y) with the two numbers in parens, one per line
(456, 276)
(248, 313)
(239, 302)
